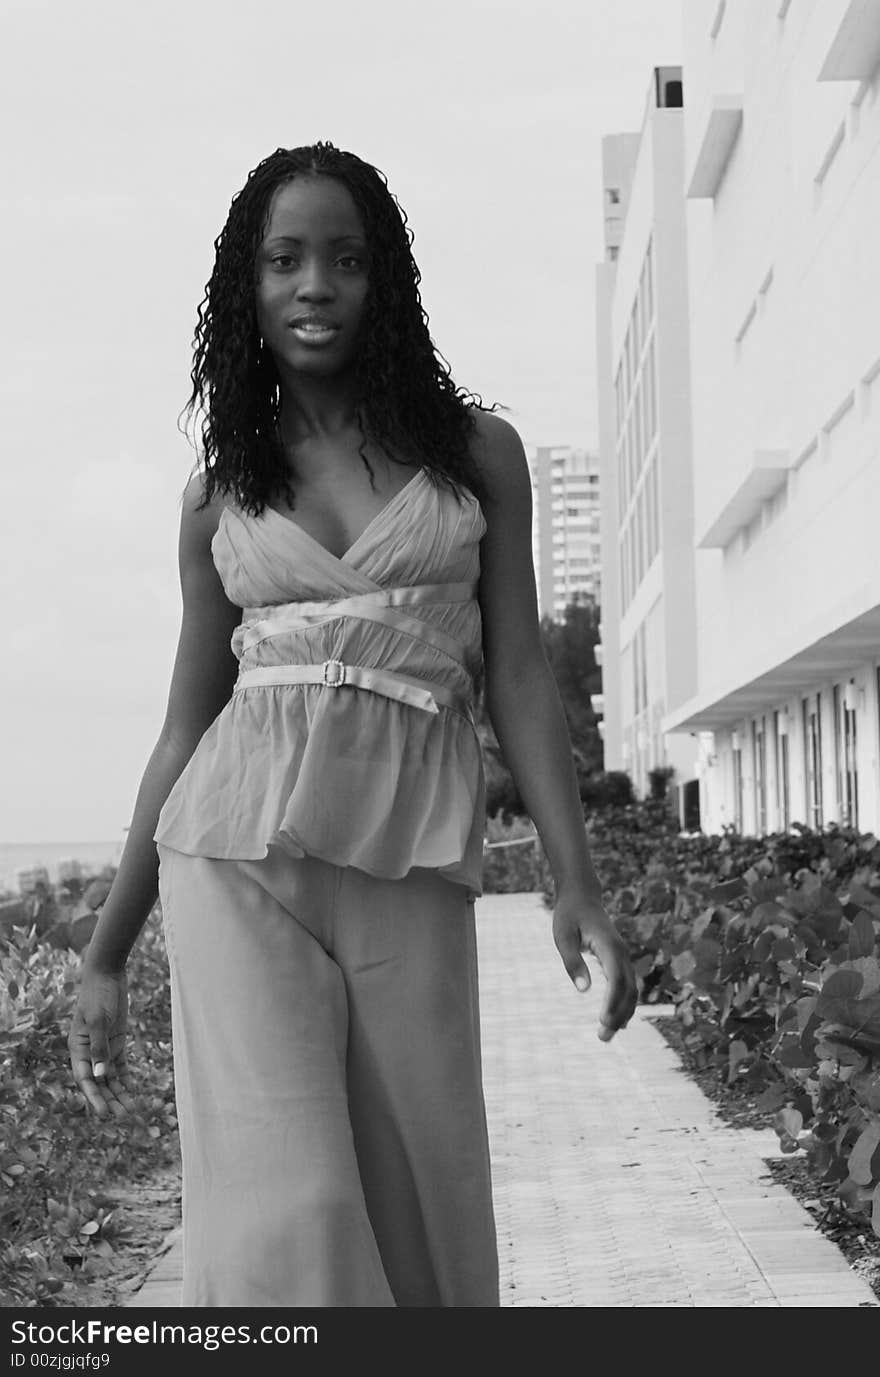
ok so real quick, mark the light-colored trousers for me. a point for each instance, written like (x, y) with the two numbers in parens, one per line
(327, 1071)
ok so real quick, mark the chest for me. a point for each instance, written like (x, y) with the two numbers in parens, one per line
(335, 501)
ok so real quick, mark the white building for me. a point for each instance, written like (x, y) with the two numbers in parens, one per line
(648, 598)
(565, 527)
(782, 152)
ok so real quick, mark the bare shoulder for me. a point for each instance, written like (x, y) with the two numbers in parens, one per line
(507, 594)
(199, 522)
(497, 450)
(500, 457)
(200, 581)
(205, 666)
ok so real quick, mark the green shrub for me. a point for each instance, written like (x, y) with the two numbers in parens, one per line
(606, 789)
(768, 947)
(514, 859)
(58, 1163)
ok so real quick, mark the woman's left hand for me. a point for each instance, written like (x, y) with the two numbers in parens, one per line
(580, 924)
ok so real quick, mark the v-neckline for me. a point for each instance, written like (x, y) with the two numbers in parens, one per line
(344, 557)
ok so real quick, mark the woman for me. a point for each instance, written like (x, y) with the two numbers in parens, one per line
(354, 556)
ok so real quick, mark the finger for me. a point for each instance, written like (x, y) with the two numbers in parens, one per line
(119, 1058)
(82, 1074)
(121, 1083)
(118, 1071)
(619, 1004)
(99, 1049)
(573, 961)
(119, 1091)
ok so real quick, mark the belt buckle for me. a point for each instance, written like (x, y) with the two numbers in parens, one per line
(334, 673)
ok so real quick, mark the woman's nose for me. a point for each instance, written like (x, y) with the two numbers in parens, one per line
(314, 281)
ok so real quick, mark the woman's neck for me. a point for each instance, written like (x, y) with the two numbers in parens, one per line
(315, 409)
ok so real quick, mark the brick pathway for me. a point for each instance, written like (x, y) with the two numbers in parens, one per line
(615, 1184)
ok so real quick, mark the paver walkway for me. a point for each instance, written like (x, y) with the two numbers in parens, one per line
(615, 1183)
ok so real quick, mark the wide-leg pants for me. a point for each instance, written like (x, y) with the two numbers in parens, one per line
(327, 1071)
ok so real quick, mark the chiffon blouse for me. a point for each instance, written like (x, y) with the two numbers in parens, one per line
(350, 734)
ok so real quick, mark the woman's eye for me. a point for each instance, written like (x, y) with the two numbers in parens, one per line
(351, 262)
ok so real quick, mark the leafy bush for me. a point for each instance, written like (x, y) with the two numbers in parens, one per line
(514, 859)
(58, 1163)
(606, 789)
(659, 779)
(768, 947)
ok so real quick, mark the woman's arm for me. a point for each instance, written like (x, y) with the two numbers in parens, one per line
(202, 679)
(526, 711)
(201, 682)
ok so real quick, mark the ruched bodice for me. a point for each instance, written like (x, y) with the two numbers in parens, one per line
(350, 734)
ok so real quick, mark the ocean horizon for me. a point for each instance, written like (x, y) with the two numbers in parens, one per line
(16, 856)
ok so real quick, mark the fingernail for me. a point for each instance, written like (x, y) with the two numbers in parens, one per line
(100, 1069)
(580, 982)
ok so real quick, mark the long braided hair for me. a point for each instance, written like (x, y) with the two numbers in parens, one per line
(406, 397)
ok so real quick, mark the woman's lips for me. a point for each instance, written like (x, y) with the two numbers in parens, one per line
(315, 334)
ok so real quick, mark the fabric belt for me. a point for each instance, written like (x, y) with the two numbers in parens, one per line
(381, 606)
(336, 674)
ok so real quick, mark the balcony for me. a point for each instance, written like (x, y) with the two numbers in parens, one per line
(767, 473)
(762, 682)
(854, 51)
(720, 133)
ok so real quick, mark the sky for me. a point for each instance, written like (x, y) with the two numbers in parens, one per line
(129, 129)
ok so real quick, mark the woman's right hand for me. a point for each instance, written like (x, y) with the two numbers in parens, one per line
(97, 1042)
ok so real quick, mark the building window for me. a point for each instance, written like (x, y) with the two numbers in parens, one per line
(649, 514)
(637, 410)
(760, 755)
(813, 752)
(649, 277)
(614, 195)
(641, 306)
(643, 675)
(655, 485)
(651, 395)
(783, 798)
(637, 528)
(737, 789)
(845, 751)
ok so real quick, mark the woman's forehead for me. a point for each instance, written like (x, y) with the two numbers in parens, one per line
(313, 207)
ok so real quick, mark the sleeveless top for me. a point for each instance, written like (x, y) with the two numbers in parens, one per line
(374, 761)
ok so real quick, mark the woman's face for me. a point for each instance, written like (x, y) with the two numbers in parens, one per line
(311, 276)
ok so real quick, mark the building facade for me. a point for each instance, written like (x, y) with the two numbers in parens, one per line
(782, 172)
(565, 527)
(648, 599)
